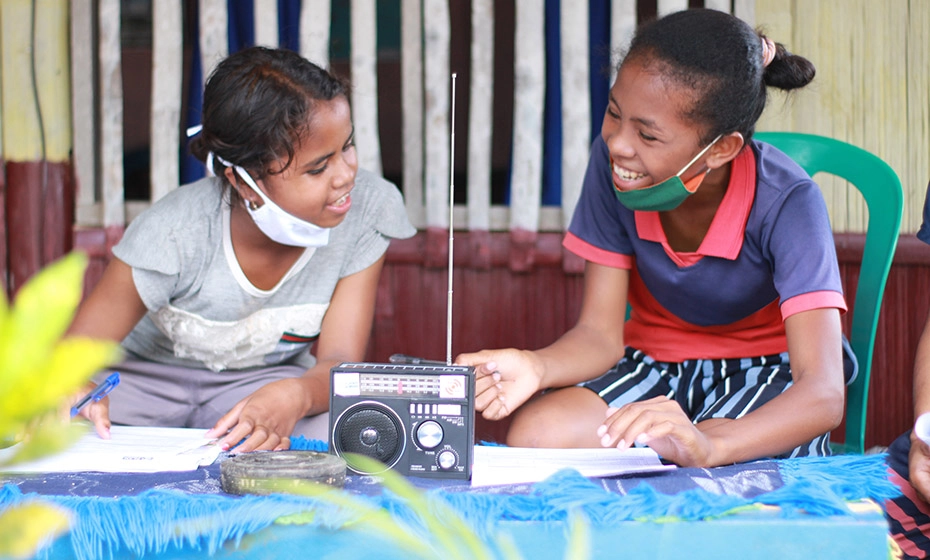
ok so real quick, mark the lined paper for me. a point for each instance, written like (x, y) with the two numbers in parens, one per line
(134, 449)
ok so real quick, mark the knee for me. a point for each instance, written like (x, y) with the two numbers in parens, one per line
(565, 418)
(527, 428)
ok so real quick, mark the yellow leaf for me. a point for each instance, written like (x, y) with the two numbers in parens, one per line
(27, 527)
(41, 313)
(46, 438)
(66, 368)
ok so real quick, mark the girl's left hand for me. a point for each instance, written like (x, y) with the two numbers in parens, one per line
(266, 418)
(661, 424)
(919, 467)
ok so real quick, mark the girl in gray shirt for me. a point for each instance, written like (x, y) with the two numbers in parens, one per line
(220, 290)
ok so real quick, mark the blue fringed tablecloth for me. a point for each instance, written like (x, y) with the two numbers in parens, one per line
(706, 512)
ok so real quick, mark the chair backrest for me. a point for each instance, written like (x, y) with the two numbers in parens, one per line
(881, 189)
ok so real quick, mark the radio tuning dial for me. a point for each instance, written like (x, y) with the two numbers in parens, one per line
(446, 459)
(429, 434)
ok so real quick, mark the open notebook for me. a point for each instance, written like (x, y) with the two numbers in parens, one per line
(129, 449)
(499, 465)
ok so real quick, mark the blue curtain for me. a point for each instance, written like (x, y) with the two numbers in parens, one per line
(241, 27)
(599, 53)
(241, 35)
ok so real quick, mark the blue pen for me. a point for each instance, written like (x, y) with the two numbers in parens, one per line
(98, 393)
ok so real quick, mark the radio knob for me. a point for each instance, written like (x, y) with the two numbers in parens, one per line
(446, 460)
(429, 434)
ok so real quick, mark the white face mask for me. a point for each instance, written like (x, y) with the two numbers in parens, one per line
(273, 221)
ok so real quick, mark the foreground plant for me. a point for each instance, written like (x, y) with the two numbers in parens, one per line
(445, 535)
(40, 369)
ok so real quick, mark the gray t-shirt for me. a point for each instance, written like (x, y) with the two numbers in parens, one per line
(203, 311)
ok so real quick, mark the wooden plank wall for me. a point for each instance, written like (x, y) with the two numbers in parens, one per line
(532, 308)
(513, 284)
(36, 192)
(872, 89)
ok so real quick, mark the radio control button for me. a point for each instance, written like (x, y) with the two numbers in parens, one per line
(446, 459)
(429, 434)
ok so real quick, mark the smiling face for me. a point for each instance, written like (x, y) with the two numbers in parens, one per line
(646, 134)
(316, 186)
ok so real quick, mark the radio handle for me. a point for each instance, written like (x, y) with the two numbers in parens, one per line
(405, 359)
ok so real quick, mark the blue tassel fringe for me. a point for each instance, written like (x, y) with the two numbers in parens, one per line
(156, 520)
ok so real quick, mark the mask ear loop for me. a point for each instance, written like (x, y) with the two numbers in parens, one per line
(243, 174)
(698, 156)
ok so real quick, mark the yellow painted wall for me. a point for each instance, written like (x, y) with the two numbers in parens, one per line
(872, 89)
(23, 139)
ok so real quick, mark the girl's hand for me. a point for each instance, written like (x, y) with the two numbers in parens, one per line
(919, 467)
(265, 418)
(504, 379)
(661, 424)
(97, 412)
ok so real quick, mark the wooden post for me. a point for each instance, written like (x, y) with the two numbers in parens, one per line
(365, 84)
(36, 120)
(528, 102)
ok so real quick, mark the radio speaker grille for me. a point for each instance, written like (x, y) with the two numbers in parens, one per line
(370, 429)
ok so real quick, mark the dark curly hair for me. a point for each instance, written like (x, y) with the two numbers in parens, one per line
(258, 105)
(720, 58)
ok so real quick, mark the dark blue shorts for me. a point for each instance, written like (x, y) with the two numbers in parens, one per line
(727, 388)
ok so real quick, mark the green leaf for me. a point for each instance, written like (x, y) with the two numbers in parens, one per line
(369, 518)
(456, 538)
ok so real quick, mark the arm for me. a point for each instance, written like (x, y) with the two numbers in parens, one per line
(919, 459)
(112, 308)
(109, 312)
(507, 378)
(811, 406)
(269, 415)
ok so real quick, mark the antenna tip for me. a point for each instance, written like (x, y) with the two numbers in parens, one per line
(453, 74)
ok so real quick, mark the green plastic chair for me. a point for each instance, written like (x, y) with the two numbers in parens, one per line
(881, 189)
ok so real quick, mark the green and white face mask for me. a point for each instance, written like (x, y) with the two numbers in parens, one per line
(668, 194)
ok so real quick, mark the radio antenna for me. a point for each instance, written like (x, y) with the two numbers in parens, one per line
(451, 206)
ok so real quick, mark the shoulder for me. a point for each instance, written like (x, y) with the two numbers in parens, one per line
(371, 188)
(182, 224)
(186, 205)
(377, 203)
(780, 180)
(775, 169)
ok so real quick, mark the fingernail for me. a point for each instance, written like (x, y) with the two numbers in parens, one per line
(605, 440)
(621, 444)
(491, 366)
(642, 439)
(496, 375)
(601, 430)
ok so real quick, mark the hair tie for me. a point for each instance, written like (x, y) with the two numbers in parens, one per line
(768, 50)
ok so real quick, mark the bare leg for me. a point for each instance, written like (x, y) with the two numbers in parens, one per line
(566, 417)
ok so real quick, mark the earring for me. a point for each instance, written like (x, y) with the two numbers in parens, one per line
(252, 205)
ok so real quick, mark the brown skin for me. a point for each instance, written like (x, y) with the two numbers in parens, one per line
(649, 141)
(919, 459)
(315, 188)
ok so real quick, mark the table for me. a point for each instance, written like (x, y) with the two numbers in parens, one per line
(824, 508)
